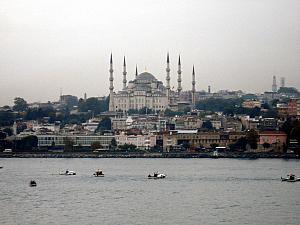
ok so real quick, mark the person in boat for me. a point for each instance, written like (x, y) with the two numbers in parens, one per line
(291, 176)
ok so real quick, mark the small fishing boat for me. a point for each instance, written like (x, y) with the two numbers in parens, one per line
(290, 178)
(98, 173)
(68, 172)
(32, 183)
(215, 154)
(156, 175)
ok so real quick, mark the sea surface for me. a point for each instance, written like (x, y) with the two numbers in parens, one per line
(195, 191)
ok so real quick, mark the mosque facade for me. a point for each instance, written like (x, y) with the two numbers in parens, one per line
(146, 91)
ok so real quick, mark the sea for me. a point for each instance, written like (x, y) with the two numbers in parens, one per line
(195, 191)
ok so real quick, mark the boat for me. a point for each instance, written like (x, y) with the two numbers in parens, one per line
(290, 178)
(215, 154)
(32, 183)
(98, 173)
(156, 175)
(1, 167)
(68, 172)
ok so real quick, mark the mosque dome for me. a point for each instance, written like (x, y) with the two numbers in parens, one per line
(146, 76)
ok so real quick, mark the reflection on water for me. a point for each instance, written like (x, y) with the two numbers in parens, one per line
(196, 191)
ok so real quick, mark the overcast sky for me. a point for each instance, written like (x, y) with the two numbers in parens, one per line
(48, 45)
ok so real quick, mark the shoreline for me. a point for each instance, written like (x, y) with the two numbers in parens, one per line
(249, 155)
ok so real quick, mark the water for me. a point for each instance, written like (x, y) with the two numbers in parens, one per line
(196, 191)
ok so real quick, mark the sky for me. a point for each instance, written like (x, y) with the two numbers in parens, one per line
(53, 46)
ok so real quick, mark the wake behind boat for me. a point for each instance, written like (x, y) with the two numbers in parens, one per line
(290, 178)
(156, 175)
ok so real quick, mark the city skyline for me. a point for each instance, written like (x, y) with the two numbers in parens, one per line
(48, 47)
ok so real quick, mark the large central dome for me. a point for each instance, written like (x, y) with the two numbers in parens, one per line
(146, 76)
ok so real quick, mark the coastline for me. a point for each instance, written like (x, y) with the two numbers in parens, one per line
(249, 155)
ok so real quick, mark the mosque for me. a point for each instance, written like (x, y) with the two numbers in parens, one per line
(145, 91)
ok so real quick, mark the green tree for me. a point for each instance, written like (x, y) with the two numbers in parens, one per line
(96, 145)
(27, 143)
(6, 118)
(207, 125)
(20, 104)
(8, 131)
(105, 124)
(266, 145)
(252, 138)
(69, 143)
(113, 143)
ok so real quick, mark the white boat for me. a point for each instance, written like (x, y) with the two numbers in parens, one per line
(215, 154)
(290, 178)
(68, 172)
(156, 175)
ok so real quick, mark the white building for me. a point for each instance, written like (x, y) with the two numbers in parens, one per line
(141, 141)
(145, 91)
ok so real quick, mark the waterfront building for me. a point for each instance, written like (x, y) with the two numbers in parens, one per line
(195, 139)
(49, 140)
(142, 141)
(250, 104)
(276, 139)
(145, 91)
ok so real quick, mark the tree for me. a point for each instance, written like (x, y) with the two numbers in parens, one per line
(2, 135)
(27, 143)
(96, 145)
(68, 144)
(266, 145)
(252, 138)
(20, 104)
(113, 143)
(207, 125)
(94, 105)
(105, 124)
(6, 118)
(8, 131)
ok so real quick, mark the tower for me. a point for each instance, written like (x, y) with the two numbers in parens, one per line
(168, 78)
(282, 82)
(274, 85)
(124, 74)
(136, 72)
(179, 88)
(193, 88)
(111, 86)
(209, 89)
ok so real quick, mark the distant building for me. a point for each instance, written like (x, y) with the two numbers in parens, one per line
(141, 141)
(77, 140)
(68, 100)
(145, 91)
(276, 139)
(250, 104)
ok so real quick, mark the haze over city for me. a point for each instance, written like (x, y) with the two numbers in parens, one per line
(48, 46)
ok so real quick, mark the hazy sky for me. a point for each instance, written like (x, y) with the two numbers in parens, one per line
(48, 45)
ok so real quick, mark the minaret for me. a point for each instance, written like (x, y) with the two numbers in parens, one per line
(179, 88)
(111, 86)
(282, 82)
(124, 74)
(193, 88)
(168, 78)
(136, 72)
(274, 85)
